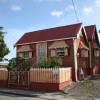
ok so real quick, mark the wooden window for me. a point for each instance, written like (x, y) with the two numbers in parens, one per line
(96, 53)
(53, 53)
(66, 51)
(26, 54)
(20, 55)
(59, 52)
(84, 53)
(30, 54)
(41, 51)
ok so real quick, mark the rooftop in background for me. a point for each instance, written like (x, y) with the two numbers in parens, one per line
(90, 30)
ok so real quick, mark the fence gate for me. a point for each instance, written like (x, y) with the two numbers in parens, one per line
(18, 79)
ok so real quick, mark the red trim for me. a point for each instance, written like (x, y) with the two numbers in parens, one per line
(64, 84)
(48, 86)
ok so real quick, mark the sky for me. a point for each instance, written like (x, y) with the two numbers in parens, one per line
(21, 16)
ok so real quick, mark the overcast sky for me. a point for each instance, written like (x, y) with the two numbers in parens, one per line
(20, 16)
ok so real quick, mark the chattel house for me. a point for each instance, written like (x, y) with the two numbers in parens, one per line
(76, 46)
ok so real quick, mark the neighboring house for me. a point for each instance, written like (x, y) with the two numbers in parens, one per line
(94, 46)
(69, 43)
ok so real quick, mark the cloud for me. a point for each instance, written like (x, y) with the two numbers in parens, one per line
(97, 2)
(56, 13)
(87, 10)
(16, 8)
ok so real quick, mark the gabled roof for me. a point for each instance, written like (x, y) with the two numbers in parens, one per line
(90, 31)
(50, 34)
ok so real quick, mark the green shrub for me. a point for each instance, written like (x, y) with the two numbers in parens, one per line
(49, 63)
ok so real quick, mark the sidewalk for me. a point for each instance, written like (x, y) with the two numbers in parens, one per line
(26, 93)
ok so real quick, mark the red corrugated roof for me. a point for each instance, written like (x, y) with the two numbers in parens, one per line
(90, 30)
(50, 34)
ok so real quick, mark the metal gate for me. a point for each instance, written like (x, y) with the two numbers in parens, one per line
(18, 79)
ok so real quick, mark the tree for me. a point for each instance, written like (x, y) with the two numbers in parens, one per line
(3, 47)
(18, 64)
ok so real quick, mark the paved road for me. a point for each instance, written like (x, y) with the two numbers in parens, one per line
(47, 96)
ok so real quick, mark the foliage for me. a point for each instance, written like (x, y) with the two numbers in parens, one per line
(25, 64)
(3, 47)
(17, 63)
(49, 63)
(11, 64)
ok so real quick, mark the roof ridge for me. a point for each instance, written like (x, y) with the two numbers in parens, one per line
(90, 25)
(53, 28)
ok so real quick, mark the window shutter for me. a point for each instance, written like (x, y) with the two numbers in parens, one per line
(84, 53)
(53, 53)
(67, 52)
(96, 53)
(20, 55)
(30, 54)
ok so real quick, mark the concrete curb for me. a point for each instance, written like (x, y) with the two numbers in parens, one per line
(19, 93)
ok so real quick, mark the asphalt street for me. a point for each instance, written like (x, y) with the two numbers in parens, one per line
(4, 96)
(46, 96)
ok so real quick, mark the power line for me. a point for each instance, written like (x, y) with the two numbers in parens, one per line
(76, 14)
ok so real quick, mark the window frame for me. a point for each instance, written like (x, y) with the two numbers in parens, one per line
(81, 55)
(57, 52)
(95, 52)
(41, 48)
(24, 55)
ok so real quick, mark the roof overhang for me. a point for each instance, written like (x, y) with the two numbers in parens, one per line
(44, 41)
